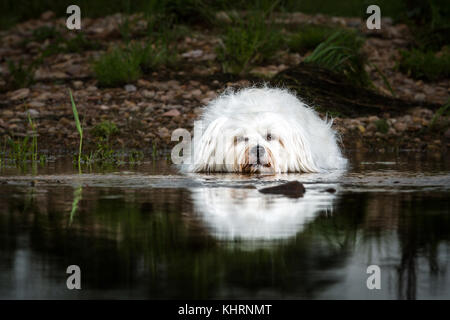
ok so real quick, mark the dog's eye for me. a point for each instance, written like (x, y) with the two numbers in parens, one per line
(269, 137)
(240, 139)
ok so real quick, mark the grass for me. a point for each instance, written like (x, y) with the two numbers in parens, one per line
(120, 66)
(248, 41)
(79, 43)
(77, 196)
(21, 75)
(443, 111)
(425, 65)
(308, 38)
(23, 150)
(34, 147)
(79, 127)
(341, 53)
(45, 32)
(117, 67)
(382, 126)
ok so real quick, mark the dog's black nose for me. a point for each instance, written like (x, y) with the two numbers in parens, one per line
(258, 150)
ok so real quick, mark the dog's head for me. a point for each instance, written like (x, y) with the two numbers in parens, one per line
(263, 142)
(264, 131)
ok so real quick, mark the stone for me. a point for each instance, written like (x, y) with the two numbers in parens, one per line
(400, 126)
(144, 83)
(148, 94)
(77, 84)
(163, 132)
(193, 54)
(419, 97)
(293, 189)
(20, 94)
(172, 113)
(32, 113)
(130, 88)
(36, 104)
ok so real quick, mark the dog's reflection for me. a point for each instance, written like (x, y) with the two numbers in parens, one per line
(247, 214)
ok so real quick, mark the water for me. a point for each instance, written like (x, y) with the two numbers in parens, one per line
(148, 232)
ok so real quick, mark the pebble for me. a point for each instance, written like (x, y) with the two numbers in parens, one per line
(130, 88)
(36, 104)
(32, 113)
(77, 84)
(20, 94)
(419, 97)
(172, 113)
(293, 189)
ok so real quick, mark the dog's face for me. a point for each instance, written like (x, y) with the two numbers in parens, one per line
(264, 131)
(259, 145)
(250, 143)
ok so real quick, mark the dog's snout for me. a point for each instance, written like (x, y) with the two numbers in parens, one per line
(258, 150)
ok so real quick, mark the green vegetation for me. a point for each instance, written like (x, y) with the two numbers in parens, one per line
(79, 43)
(247, 41)
(120, 66)
(78, 125)
(77, 196)
(425, 65)
(45, 32)
(442, 112)
(308, 37)
(341, 53)
(382, 126)
(22, 150)
(21, 75)
(117, 67)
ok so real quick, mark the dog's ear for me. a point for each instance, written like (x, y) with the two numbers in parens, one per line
(303, 158)
(209, 148)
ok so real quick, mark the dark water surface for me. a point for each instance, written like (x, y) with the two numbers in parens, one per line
(149, 232)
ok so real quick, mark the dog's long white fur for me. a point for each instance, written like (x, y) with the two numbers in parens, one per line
(294, 137)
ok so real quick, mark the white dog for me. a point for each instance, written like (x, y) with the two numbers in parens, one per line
(264, 130)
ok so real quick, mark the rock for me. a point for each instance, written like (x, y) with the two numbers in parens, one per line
(20, 94)
(193, 54)
(77, 84)
(164, 133)
(172, 113)
(130, 88)
(330, 190)
(91, 88)
(32, 113)
(8, 114)
(293, 189)
(400, 126)
(36, 104)
(419, 97)
(144, 83)
(148, 94)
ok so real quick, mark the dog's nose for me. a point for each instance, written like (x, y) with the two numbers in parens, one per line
(258, 150)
